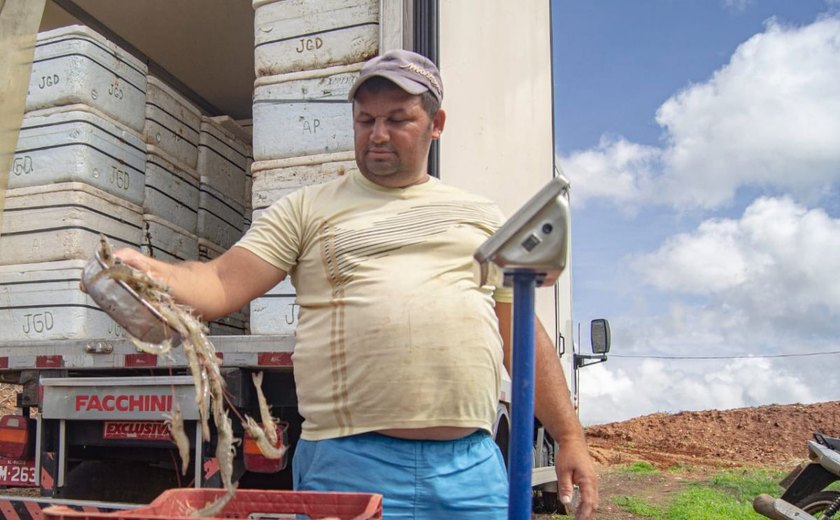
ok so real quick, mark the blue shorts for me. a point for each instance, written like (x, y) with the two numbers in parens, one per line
(461, 479)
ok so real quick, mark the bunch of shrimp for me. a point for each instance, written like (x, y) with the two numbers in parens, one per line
(203, 364)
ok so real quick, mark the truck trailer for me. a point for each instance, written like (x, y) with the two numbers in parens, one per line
(267, 76)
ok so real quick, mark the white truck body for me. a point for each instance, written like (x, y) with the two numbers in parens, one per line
(495, 60)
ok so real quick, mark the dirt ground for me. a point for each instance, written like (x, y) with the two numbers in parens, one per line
(699, 442)
(702, 443)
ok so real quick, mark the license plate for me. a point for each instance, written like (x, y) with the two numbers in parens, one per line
(136, 430)
(17, 472)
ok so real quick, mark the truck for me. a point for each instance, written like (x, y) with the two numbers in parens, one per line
(89, 427)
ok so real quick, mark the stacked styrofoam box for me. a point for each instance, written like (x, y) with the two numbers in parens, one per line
(276, 179)
(220, 218)
(42, 301)
(172, 123)
(64, 221)
(293, 35)
(241, 130)
(307, 54)
(223, 160)
(172, 183)
(77, 65)
(78, 174)
(79, 143)
(308, 109)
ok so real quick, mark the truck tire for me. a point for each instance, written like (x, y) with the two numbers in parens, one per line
(818, 502)
(501, 431)
(130, 482)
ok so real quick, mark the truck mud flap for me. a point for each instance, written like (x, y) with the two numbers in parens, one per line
(21, 508)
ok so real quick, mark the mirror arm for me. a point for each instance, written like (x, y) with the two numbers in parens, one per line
(585, 360)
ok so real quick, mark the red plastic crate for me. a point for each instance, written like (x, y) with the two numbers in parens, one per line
(177, 504)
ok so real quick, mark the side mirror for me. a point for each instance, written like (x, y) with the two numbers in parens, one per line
(599, 335)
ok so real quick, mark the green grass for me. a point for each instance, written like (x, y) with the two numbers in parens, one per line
(727, 495)
(640, 468)
(638, 507)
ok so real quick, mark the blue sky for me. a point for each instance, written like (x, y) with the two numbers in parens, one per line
(702, 140)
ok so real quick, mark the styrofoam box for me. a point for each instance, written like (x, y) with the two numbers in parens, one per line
(220, 218)
(171, 190)
(276, 312)
(207, 250)
(234, 324)
(77, 143)
(77, 65)
(303, 113)
(42, 301)
(172, 122)
(293, 35)
(276, 179)
(64, 221)
(223, 159)
(166, 241)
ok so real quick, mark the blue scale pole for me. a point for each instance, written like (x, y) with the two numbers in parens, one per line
(522, 398)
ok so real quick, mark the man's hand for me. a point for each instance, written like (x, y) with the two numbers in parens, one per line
(574, 467)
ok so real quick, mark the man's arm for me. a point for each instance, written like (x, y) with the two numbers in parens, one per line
(215, 288)
(553, 407)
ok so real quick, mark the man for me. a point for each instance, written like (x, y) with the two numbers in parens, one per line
(399, 350)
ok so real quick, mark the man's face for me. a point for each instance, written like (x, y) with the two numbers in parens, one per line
(393, 135)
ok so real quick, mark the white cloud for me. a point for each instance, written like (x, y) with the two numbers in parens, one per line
(622, 389)
(776, 267)
(763, 284)
(616, 169)
(770, 118)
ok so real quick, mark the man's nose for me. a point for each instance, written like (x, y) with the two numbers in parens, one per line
(379, 133)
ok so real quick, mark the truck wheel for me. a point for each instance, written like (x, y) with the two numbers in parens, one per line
(818, 502)
(130, 482)
(501, 431)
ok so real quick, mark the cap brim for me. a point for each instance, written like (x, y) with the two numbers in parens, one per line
(412, 87)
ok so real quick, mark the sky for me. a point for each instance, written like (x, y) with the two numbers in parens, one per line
(702, 142)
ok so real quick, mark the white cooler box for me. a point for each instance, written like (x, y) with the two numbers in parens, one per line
(235, 324)
(207, 250)
(171, 190)
(77, 143)
(172, 122)
(276, 179)
(64, 221)
(303, 113)
(77, 65)
(42, 301)
(223, 158)
(293, 35)
(276, 311)
(243, 134)
(166, 241)
(220, 218)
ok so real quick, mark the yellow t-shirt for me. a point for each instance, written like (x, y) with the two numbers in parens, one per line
(394, 330)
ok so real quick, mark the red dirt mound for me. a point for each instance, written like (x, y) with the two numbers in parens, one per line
(764, 436)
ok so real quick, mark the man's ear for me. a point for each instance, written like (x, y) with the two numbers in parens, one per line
(438, 123)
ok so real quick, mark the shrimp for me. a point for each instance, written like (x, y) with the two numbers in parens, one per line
(268, 451)
(214, 508)
(201, 397)
(200, 355)
(175, 423)
(268, 422)
(158, 349)
(224, 447)
(105, 252)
